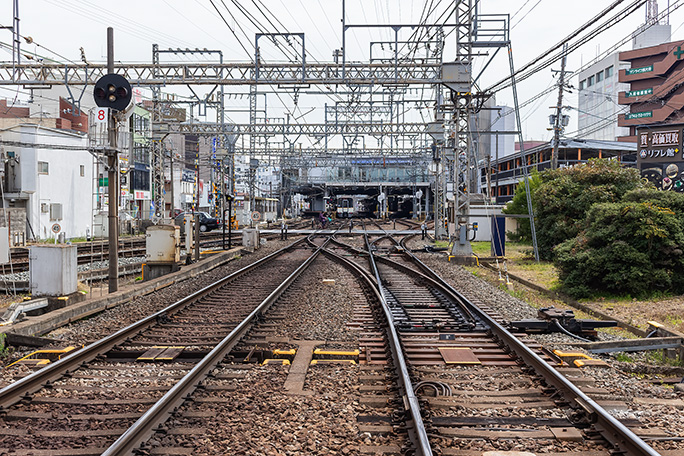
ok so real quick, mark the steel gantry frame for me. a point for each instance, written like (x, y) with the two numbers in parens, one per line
(391, 74)
(227, 74)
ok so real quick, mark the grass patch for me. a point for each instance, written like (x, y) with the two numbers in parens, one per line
(658, 357)
(481, 248)
(624, 357)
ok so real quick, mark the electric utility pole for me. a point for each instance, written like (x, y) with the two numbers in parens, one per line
(559, 119)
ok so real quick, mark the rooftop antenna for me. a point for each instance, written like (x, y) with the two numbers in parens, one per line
(652, 12)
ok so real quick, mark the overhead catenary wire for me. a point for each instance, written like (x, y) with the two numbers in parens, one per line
(534, 65)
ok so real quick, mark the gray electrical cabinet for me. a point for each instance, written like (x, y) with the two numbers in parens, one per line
(53, 270)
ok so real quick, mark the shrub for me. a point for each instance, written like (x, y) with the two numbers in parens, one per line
(518, 205)
(565, 196)
(625, 248)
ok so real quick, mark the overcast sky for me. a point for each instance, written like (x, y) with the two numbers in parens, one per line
(59, 28)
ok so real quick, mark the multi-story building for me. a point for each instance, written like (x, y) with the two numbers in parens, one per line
(600, 87)
(51, 180)
(598, 100)
(509, 170)
(137, 193)
(656, 94)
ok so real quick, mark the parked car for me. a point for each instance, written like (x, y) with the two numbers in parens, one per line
(207, 223)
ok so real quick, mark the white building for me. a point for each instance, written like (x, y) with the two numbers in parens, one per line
(502, 122)
(49, 172)
(599, 87)
(598, 100)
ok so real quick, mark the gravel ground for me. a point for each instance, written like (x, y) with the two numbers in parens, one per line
(259, 418)
(322, 311)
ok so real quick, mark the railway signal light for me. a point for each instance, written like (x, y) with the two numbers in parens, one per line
(112, 91)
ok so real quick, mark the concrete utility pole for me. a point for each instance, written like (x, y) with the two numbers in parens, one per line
(558, 120)
(113, 181)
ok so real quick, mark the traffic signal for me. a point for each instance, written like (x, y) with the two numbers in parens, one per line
(112, 91)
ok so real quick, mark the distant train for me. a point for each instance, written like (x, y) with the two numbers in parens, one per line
(347, 206)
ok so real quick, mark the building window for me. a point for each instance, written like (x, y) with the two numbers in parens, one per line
(599, 76)
(583, 84)
(590, 81)
(141, 153)
(43, 168)
(140, 180)
(609, 72)
(82, 170)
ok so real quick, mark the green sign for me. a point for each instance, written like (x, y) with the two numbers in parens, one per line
(678, 52)
(638, 93)
(638, 115)
(645, 69)
(103, 181)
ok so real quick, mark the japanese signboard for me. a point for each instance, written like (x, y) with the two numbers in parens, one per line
(638, 93)
(659, 156)
(641, 70)
(638, 115)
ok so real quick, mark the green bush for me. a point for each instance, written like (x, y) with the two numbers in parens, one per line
(565, 196)
(625, 248)
(518, 205)
(668, 199)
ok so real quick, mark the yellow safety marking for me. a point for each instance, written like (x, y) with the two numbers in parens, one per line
(290, 352)
(25, 358)
(329, 361)
(655, 324)
(589, 362)
(44, 352)
(562, 354)
(284, 362)
(63, 298)
(319, 351)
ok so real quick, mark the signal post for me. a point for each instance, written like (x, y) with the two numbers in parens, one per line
(112, 92)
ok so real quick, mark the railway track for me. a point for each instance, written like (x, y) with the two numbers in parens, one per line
(509, 389)
(95, 384)
(98, 251)
(332, 363)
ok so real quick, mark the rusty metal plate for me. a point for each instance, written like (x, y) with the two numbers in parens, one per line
(458, 355)
(161, 353)
(568, 434)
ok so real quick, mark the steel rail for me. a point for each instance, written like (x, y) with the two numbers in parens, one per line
(432, 280)
(395, 348)
(621, 437)
(10, 394)
(435, 283)
(410, 399)
(142, 429)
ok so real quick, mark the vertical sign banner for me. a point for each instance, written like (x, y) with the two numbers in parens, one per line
(659, 156)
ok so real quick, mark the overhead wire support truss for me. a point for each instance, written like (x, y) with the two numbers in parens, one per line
(162, 74)
(339, 128)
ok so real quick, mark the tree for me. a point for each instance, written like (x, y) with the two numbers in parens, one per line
(518, 205)
(565, 196)
(625, 248)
